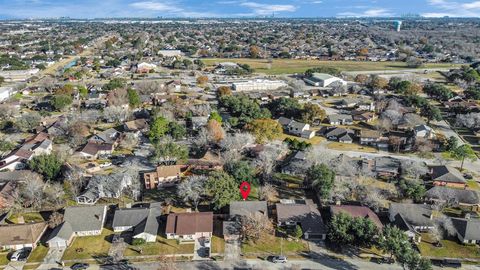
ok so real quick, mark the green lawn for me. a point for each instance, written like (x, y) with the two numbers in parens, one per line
(3, 258)
(28, 217)
(218, 244)
(473, 185)
(288, 66)
(449, 249)
(315, 140)
(351, 147)
(88, 247)
(288, 178)
(38, 254)
(161, 247)
(270, 244)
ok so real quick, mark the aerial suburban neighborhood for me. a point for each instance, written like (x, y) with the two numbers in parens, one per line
(253, 143)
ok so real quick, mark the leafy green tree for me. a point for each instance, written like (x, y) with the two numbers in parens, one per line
(339, 229)
(393, 240)
(222, 189)
(322, 178)
(158, 129)
(364, 231)
(241, 171)
(47, 165)
(6, 146)
(439, 91)
(412, 189)
(463, 152)
(168, 152)
(312, 112)
(243, 108)
(176, 130)
(452, 143)
(133, 98)
(264, 129)
(298, 232)
(114, 84)
(83, 91)
(215, 116)
(287, 107)
(431, 113)
(60, 102)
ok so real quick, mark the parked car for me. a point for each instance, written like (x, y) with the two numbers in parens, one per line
(106, 164)
(452, 263)
(79, 266)
(206, 242)
(279, 259)
(20, 255)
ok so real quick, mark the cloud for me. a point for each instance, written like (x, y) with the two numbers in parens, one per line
(170, 8)
(374, 12)
(453, 9)
(267, 9)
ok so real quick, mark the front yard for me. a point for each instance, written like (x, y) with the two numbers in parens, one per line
(218, 244)
(162, 246)
(38, 254)
(4, 258)
(272, 245)
(351, 147)
(450, 249)
(89, 247)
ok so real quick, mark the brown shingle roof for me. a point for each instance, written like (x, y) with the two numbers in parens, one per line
(20, 234)
(93, 148)
(189, 223)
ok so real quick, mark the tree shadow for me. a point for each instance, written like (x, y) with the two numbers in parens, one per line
(330, 261)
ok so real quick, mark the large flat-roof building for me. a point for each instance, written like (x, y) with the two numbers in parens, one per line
(324, 80)
(258, 85)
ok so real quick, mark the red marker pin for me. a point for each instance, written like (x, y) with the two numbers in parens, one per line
(245, 189)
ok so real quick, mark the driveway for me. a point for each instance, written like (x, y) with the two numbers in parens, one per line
(201, 252)
(54, 255)
(117, 248)
(232, 250)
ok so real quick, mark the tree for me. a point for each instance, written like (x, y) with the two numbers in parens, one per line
(377, 82)
(83, 91)
(253, 226)
(224, 91)
(158, 129)
(215, 131)
(31, 192)
(54, 220)
(202, 80)
(133, 98)
(28, 121)
(215, 116)
(129, 141)
(168, 152)
(241, 170)
(60, 102)
(287, 107)
(297, 233)
(265, 129)
(412, 189)
(254, 51)
(222, 189)
(463, 152)
(114, 84)
(268, 193)
(328, 70)
(47, 165)
(361, 78)
(312, 112)
(452, 143)
(431, 113)
(363, 51)
(339, 229)
(413, 62)
(392, 240)
(321, 177)
(192, 189)
(176, 130)
(115, 114)
(244, 109)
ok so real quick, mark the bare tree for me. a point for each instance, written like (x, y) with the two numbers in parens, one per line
(192, 189)
(116, 114)
(32, 192)
(413, 169)
(54, 220)
(253, 226)
(268, 193)
(271, 153)
(74, 176)
(237, 141)
(54, 194)
(129, 141)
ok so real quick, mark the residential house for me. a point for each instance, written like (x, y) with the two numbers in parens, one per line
(356, 211)
(92, 150)
(467, 230)
(189, 226)
(143, 222)
(136, 125)
(105, 186)
(7, 194)
(163, 176)
(386, 167)
(239, 209)
(296, 128)
(369, 137)
(340, 119)
(412, 218)
(304, 213)
(34, 146)
(424, 131)
(337, 134)
(461, 197)
(78, 221)
(109, 136)
(17, 176)
(444, 175)
(18, 236)
(364, 116)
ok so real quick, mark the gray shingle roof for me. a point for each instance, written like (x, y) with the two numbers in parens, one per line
(447, 174)
(85, 218)
(459, 195)
(469, 229)
(144, 220)
(62, 231)
(414, 214)
(242, 208)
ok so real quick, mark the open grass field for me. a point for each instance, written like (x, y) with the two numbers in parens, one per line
(271, 245)
(89, 247)
(290, 66)
(161, 247)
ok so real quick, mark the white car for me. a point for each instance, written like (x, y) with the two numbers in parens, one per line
(206, 242)
(104, 165)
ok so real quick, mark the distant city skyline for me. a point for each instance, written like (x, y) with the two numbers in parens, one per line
(88, 9)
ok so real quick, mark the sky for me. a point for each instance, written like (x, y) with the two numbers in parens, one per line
(20, 9)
